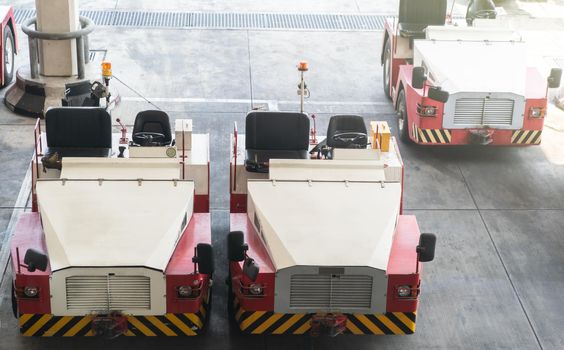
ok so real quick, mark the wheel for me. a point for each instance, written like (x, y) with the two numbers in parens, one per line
(14, 302)
(403, 119)
(206, 324)
(9, 53)
(230, 296)
(386, 68)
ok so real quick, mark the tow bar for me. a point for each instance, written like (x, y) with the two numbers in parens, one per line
(109, 326)
(481, 137)
(328, 324)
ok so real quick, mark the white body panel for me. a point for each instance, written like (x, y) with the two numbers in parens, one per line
(183, 133)
(471, 33)
(120, 168)
(295, 218)
(91, 223)
(474, 66)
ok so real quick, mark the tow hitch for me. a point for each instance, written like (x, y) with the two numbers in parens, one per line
(109, 326)
(328, 324)
(481, 137)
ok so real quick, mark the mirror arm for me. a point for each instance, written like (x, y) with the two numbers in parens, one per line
(195, 260)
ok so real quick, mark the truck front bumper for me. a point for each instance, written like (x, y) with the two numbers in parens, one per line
(170, 324)
(268, 322)
(485, 136)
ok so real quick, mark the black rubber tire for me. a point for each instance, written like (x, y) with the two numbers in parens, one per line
(402, 111)
(206, 324)
(230, 306)
(8, 36)
(386, 67)
(14, 302)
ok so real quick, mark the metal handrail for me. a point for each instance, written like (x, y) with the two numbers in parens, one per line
(81, 36)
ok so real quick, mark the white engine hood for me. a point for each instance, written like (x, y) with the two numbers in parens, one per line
(113, 223)
(325, 223)
(474, 66)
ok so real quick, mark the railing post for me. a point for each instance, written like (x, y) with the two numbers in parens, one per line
(86, 49)
(33, 59)
(80, 57)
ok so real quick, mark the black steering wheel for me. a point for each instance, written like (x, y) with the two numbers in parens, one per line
(350, 138)
(148, 138)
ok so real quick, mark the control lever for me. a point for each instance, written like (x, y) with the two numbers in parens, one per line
(123, 140)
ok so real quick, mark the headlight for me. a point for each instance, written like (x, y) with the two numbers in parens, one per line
(536, 112)
(31, 292)
(404, 291)
(255, 289)
(184, 291)
(426, 111)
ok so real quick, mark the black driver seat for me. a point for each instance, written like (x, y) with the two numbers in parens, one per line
(339, 124)
(78, 132)
(152, 121)
(416, 15)
(275, 135)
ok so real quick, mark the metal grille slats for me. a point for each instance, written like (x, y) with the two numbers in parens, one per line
(224, 20)
(104, 293)
(330, 292)
(484, 111)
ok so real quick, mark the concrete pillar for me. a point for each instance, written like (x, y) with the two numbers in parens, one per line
(57, 57)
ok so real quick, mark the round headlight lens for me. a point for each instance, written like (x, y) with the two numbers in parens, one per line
(31, 292)
(404, 291)
(255, 289)
(184, 291)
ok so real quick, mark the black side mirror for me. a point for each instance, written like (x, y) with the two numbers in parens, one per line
(35, 260)
(554, 78)
(418, 77)
(204, 258)
(251, 269)
(236, 247)
(426, 247)
(435, 93)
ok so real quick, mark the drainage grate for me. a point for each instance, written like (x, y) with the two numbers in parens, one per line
(202, 20)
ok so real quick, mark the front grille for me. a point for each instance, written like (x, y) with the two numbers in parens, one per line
(484, 111)
(330, 292)
(108, 293)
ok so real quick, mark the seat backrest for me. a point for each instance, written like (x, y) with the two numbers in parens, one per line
(78, 127)
(277, 131)
(429, 12)
(153, 121)
(343, 124)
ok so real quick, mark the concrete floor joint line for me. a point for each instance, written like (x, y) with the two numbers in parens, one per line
(513, 287)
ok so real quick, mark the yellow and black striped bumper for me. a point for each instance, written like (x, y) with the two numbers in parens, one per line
(47, 325)
(526, 137)
(266, 322)
(432, 136)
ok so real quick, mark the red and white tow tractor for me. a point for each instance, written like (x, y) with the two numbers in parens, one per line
(318, 240)
(458, 84)
(118, 240)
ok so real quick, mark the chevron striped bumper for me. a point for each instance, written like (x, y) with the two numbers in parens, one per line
(266, 322)
(47, 325)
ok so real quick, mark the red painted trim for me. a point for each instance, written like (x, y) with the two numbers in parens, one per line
(180, 269)
(238, 203)
(201, 203)
(257, 251)
(402, 264)
(28, 233)
(197, 231)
